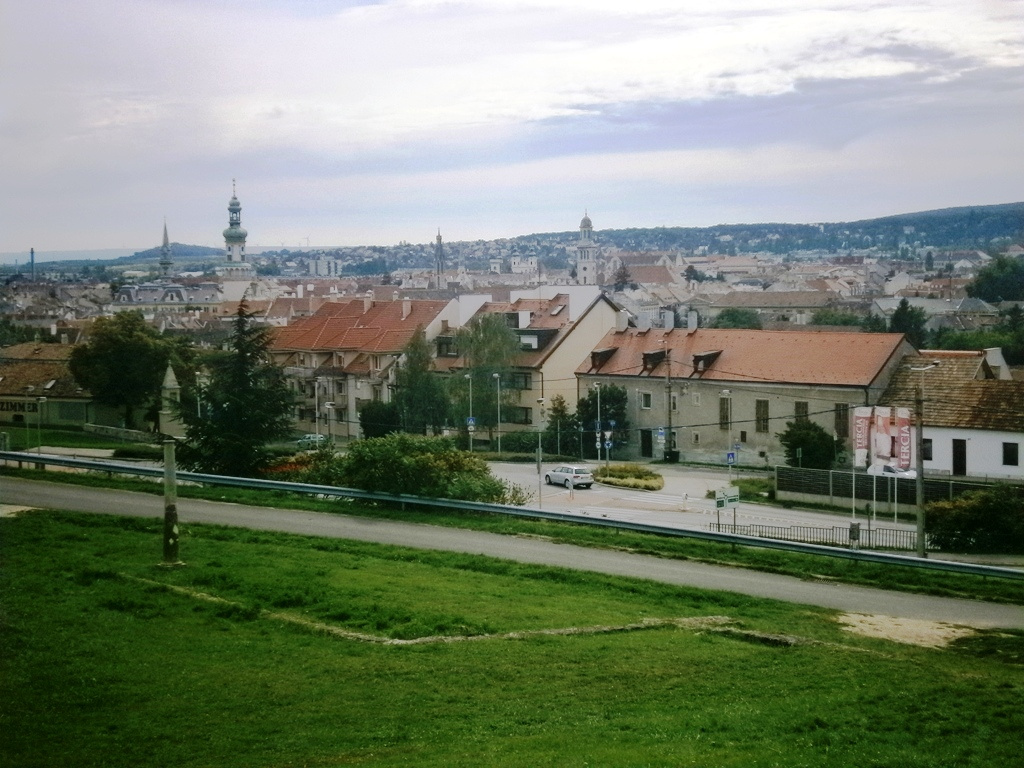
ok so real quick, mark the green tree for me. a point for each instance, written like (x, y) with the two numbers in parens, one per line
(245, 405)
(417, 465)
(986, 521)
(621, 277)
(818, 449)
(874, 324)
(910, 321)
(378, 418)
(421, 397)
(488, 346)
(123, 364)
(562, 429)
(737, 318)
(1000, 280)
(614, 407)
(835, 317)
(12, 333)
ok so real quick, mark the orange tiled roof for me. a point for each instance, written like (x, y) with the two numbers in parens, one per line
(795, 357)
(350, 325)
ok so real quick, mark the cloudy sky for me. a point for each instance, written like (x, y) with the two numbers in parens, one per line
(350, 122)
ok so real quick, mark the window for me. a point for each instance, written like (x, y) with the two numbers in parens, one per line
(800, 410)
(645, 400)
(675, 403)
(761, 415)
(926, 449)
(520, 380)
(695, 438)
(1010, 454)
(696, 400)
(724, 413)
(842, 424)
(743, 435)
(517, 415)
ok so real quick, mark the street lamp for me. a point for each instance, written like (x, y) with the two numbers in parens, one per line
(919, 450)
(727, 394)
(316, 406)
(497, 379)
(471, 426)
(600, 424)
(330, 418)
(39, 421)
(540, 434)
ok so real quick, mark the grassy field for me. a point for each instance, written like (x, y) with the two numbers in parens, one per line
(278, 650)
(773, 561)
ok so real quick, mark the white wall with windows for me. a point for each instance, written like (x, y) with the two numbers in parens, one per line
(974, 453)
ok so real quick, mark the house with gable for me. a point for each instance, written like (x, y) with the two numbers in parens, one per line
(556, 332)
(705, 392)
(973, 412)
(346, 354)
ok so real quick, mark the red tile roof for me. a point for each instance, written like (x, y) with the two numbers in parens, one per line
(797, 357)
(349, 325)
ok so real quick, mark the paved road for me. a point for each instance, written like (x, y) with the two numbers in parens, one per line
(841, 597)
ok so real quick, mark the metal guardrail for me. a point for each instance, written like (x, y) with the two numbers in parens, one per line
(524, 512)
(833, 536)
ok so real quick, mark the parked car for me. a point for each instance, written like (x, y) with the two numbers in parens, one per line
(307, 442)
(571, 476)
(888, 470)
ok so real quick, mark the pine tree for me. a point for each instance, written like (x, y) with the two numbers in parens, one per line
(245, 406)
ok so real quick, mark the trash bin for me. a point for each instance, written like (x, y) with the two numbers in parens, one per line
(671, 457)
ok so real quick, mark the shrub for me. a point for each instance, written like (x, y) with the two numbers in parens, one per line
(413, 464)
(987, 521)
(630, 476)
(519, 442)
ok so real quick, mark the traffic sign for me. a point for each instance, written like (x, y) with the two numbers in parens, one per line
(607, 443)
(730, 457)
(471, 421)
(597, 444)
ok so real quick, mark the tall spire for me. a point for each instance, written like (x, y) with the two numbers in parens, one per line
(439, 260)
(234, 235)
(165, 254)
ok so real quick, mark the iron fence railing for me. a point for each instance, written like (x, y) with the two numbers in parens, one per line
(833, 536)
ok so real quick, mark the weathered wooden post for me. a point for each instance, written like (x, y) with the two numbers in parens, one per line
(170, 506)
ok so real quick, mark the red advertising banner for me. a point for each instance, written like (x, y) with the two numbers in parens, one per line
(861, 436)
(881, 441)
(903, 438)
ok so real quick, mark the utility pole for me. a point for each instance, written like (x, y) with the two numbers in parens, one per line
(919, 481)
(171, 533)
(670, 441)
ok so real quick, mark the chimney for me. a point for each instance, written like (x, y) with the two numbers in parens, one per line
(394, 296)
(621, 321)
(63, 338)
(299, 290)
(668, 318)
(367, 302)
(691, 320)
(406, 307)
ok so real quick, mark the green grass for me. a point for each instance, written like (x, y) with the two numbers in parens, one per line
(630, 476)
(25, 438)
(814, 567)
(103, 667)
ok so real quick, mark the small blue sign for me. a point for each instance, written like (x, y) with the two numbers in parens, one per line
(470, 421)
(607, 443)
(730, 457)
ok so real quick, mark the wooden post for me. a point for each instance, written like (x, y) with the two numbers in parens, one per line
(170, 506)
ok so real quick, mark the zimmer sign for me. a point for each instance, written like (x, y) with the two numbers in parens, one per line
(881, 435)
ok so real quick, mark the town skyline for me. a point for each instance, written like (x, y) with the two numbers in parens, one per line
(350, 123)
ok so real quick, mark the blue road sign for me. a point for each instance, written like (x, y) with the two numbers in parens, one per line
(730, 457)
(607, 443)
(470, 421)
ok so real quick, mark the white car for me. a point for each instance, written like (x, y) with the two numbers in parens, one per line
(888, 470)
(571, 476)
(306, 442)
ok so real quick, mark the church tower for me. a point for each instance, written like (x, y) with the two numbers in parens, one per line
(586, 254)
(439, 262)
(165, 256)
(234, 235)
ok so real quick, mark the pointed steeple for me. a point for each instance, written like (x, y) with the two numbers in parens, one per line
(165, 255)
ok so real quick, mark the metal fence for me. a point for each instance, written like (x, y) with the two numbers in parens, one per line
(840, 488)
(834, 536)
(328, 491)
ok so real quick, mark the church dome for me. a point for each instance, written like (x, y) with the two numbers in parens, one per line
(234, 205)
(235, 235)
(585, 223)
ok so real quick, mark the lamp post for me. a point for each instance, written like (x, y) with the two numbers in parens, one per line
(540, 434)
(330, 418)
(497, 380)
(39, 420)
(597, 388)
(919, 450)
(727, 394)
(316, 406)
(471, 426)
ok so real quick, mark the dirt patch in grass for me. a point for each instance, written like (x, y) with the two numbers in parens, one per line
(12, 510)
(930, 634)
